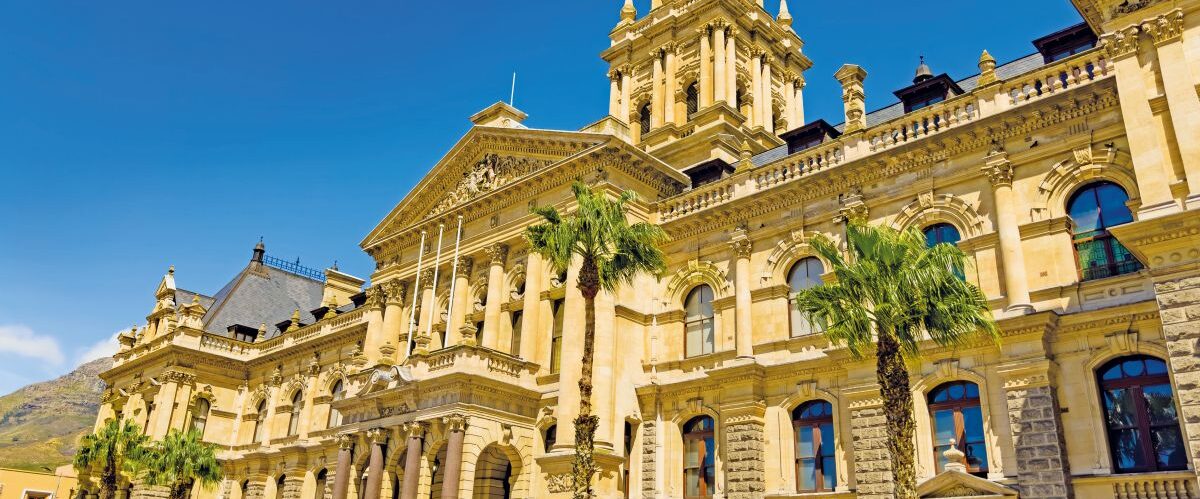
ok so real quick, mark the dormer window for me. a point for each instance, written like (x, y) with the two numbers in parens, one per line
(708, 172)
(809, 136)
(927, 89)
(1065, 43)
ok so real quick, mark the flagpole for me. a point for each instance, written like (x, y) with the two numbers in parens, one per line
(454, 273)
(437, 262)
(412, 312)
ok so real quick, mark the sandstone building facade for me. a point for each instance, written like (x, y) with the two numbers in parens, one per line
(1071, 178)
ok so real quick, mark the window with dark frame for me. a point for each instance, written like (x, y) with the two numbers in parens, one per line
(816, 467)
(549, 438)
(557, 308)
(1094, 210)
(944, 233)
(336, 393)
(692, 96)
(644, 118)
(258, 421)
(1140, 416)
(294, 419)
(956, 415)
(200, 417)
(699, 336)
(699, 463)
(518, 320)
(803, 275)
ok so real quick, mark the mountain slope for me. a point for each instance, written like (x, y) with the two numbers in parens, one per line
(40, 424)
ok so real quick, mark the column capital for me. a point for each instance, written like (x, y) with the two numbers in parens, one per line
(426, 278)
(465, 264)
(497, 253)
(1027, 374)
(1165, 28)
(1120, 43)
(377, 436)
(998, 169)
(455, 422)
(376, 296)
(742, 247)
(396, 292)
(614, 75)
(345, 441)
(733, 31)
(415, 429)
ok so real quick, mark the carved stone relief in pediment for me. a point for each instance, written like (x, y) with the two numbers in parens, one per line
(488, 174)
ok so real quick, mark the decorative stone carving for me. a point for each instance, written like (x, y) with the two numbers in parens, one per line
(455, 422)
(465, 263)
(396, 292)
(1120, 43)
(998, 170)
(377, 436)
(376, 296)
(426, 278)
(497, 253)
(345, 441)
(1165, 28)
(490, 173)
(742, 248)
(558, 483)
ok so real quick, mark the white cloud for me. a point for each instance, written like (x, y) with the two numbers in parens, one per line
(103, 348)
(20, 340)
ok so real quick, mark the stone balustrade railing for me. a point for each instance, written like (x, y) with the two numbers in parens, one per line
(989, 100)
(228, 347)
(1161, 485)
(471, 359)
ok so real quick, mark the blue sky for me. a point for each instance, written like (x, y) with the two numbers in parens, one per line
(140, 134)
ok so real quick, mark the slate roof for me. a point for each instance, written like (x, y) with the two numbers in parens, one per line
(892, 111)
(262, 294)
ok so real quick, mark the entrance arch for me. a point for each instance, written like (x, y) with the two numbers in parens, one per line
(496, 473)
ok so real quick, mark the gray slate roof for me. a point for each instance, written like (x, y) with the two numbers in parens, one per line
(262, 294)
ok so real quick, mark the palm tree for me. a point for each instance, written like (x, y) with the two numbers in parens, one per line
(180, 460)
(114, 449)
(891, 292)
(611, 252)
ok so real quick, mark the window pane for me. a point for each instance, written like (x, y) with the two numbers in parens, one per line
(829, 469)
(709, 455)
(1084, 212)
(972, 424)
(1168, 448)
(944, 421)
(709, 336)
(1127, 449)
(826, 440)
(693, 339)
(800, 324)
(976, 456)
(1119, 408)
(709, 480)
(691, 480)
(808, 474)
(691, 456)
(1160, 404)
(939, 451)
(804, 441)
(1134, 367)
(1113, 211)
(1155, 366)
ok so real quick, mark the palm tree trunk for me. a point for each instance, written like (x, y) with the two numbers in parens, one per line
(584, 467)
(898, 409)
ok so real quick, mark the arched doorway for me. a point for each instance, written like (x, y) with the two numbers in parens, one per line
(495, 474)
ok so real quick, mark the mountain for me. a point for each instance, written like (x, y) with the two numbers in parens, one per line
(40, 424)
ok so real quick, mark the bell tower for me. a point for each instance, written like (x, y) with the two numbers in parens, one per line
(695, 80)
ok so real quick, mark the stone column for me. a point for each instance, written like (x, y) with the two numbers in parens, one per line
(626, 84)
(720, 79)
(614, 93)
(1149, 154)
(395, 294)
(669, 93)
(1000, 172)
(789, 99)
(868, 436)
(1038, 438)
(530, 329)
(656, 104)
(745, 469)
(756, 88)
(378, 439)
(412, 460)
(374, 339)
(1167, 32)
(706, 67)
(341, 475)
(731, 67)
(424, 331)
(853, 97)
(798, 108)
(461, 291)
(164, 407)
(741, 288)
(456, 426)
(1170, 248)
(571, 356)
(497, 253)
(767, 108)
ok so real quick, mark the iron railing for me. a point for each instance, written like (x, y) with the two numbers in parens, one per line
(294, 267)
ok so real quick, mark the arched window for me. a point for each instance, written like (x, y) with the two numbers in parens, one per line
(692, 95)
(941, 233)
(956, 416)
(644, 118)
(200, 417)
(336, 393)
(294, 420)
(1139, 411)
(699, 452)
(558, 308)
(698, 309)
(816, 469)
(279, 486)
(259, 419)
(1093, 210)
(549, 437)
(322, 480)
(804, 274)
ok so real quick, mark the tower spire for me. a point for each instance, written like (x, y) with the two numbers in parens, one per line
(784, 17)
(628, 11)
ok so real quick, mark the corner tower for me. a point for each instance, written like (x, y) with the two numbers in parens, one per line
(697, 79)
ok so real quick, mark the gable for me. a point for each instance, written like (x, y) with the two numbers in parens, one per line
(955, 484)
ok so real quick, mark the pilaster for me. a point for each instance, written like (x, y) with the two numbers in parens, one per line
(869, 435)
(1038, 435)
(745, 434)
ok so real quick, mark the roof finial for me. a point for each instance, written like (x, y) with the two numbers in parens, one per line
(784, 17)
(923, 72)
(171, 270)
(259, 250)
(628, 11)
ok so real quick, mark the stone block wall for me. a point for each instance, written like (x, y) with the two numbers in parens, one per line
(872, 463)
(746, 476)
(649, 463)
(1042, 469)
(1179, 308)
(293, 484)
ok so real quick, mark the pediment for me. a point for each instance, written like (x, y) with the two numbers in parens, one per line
(485, 160)
(955, 484)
